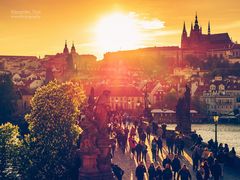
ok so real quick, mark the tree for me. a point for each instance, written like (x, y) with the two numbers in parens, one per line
(10, 148)
(199, 105)
(7, 98)
(171, 98)
(53, 129)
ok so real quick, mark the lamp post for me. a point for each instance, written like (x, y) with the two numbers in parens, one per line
(215, 119)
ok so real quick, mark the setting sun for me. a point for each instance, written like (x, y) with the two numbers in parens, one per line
(117, 31)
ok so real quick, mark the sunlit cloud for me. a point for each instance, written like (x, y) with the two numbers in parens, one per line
(151, 24)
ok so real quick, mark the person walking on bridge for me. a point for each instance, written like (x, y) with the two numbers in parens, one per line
(176, 165)
(140, 171)
(184, 173)
(154, 150)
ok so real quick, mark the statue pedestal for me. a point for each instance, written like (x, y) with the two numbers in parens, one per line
(97, 166)
(89, 167)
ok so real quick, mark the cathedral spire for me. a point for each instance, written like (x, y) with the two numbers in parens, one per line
(209, 29)
(184, 36)
(184, 27)
(196, 26)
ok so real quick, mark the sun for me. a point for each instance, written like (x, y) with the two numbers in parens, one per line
(117, 31)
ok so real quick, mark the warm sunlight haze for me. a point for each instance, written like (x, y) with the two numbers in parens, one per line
(116, 32)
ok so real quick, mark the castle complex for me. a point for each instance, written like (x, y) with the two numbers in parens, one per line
(208, 45)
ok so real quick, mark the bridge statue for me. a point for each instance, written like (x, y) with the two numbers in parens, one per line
(95, 143)
(183, 116)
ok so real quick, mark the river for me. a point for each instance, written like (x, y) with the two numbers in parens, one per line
(229, 134)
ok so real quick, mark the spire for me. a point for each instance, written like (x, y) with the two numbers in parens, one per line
(184, 32)
(209, 29)
(184, 27)
(196, 19)
(184, 36)
(196, 26)
(65, 50)
(73, 50)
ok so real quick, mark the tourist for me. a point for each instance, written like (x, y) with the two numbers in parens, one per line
(184, 173)
(180, 146)
(205, 154)
(199, 140)
(216, 170)
(126, 131)
(210, 144)
(167, 173)
(132, 144)
(233, 152)
(133, 131)
(220, 147)
(176, 165)
(159, 173)
(154, 128)
(113, 146)
(159, 144)
(169, 143)
(138, 150)
(144, 152)
(140, 171)
(148, 131)
(221, 158)
(140, 131)
(226, 149)
(210, 160)
(177, 145)
(154, 149)
(118, 172)
(164, 129)
(124, 142)
(143, 136)
(151, 172)
(232, 157)
(206, 170)
(200, 173)
(195, 157)
(166, 161)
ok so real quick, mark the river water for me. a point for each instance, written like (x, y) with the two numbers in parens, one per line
(229, 134)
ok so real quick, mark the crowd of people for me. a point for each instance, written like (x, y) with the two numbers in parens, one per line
(211, 157)
(135, 137)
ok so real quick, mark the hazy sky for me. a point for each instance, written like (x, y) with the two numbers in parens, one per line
(39, 27)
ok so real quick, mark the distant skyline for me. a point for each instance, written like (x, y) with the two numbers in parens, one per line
(96, 26)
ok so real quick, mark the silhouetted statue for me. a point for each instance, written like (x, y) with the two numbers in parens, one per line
(183, 112)
(101, 110)
(95, 144)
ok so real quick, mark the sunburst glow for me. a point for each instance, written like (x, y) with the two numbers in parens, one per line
(117, 31)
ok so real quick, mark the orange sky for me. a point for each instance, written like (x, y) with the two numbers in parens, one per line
(31, 27)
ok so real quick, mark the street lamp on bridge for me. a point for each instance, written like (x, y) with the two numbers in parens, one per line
(215, 119)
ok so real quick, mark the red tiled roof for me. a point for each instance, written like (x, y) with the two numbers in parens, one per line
(116, 91)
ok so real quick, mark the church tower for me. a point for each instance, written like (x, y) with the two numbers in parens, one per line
(73, 50)
(65, 50)
(184, 37)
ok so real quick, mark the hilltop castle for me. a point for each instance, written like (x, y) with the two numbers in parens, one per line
(198, 40)
(208, 45)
